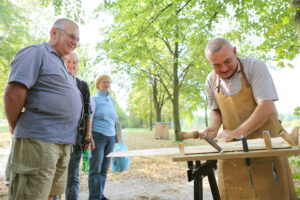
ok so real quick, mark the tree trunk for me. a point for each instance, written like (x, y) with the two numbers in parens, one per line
(297, 23)
(158, 113)
(176, 94)
(206, 117)
(158, 106)
(296, 4)
(151, 113)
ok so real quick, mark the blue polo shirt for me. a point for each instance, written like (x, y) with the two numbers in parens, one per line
(104, 114)
(53, 103)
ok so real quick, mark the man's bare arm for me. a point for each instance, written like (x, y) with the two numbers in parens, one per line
(215, 123)
(261, 114)
(14, 99)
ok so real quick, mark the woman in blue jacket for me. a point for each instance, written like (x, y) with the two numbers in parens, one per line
(103, 129)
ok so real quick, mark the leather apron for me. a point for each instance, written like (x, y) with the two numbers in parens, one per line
(233, 181)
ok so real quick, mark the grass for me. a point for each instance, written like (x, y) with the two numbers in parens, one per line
(4, 129)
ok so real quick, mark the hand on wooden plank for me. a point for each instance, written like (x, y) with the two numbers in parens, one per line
(211, 132)
(229, 135)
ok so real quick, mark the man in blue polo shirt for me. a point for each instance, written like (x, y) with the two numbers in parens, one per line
(44, 132)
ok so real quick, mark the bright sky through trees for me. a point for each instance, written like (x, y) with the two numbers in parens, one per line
(287, 82)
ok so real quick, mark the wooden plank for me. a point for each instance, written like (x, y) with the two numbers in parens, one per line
(239, 154)
(145, 152)
(253, 144)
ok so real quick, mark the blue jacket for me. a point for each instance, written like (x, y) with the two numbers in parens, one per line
(104, 114)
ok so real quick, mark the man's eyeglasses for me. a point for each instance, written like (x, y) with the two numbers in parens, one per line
(72, 36)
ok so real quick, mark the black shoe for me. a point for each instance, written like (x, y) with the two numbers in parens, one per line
(105, 198)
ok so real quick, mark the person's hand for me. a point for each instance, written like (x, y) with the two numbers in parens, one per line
(93, 144)
(211, 132)
(228, 135)
(88, 141)
(90, 144)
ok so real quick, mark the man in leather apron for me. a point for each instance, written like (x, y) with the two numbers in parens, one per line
(241, 94)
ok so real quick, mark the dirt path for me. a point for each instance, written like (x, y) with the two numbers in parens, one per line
(148, 189)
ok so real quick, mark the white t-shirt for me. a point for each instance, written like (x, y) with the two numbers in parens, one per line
(258, 76)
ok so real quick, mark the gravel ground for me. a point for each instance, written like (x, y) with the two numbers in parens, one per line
(147, 189)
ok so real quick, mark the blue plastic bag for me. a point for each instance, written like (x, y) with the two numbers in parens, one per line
(120, 164)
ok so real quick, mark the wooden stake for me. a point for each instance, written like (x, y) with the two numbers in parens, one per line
(181, 148)
(267, 139)
(293, 138)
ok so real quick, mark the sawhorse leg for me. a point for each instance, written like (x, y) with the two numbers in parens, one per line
(197, 172)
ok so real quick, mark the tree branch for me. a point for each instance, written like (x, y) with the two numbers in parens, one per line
(152, 20)
(166, 41)
(183, 74)
(161, 66)
(183, 7)
(213, 17)
(166, 88)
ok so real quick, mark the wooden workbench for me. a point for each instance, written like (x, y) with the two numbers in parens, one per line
(238, 154)
(197, 169)
(257, 148)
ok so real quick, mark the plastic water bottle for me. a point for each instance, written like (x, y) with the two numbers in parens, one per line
(86, 160)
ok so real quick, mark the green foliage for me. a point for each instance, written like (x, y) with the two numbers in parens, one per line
(297, 111)
(14, 35)
(295, 162)
(70, 8)
(123, 118)
(139, 105)
(86, 70)
(272, 26)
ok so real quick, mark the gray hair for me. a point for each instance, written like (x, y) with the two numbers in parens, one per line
(73, 54)
(61, 22)
(216, 44)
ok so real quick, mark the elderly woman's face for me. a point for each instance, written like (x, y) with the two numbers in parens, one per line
(104, 85)
(71, 64)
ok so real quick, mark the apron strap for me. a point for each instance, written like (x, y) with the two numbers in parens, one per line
(243, 73)
(219, 83)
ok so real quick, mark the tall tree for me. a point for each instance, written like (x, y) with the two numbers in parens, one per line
(156, 43)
